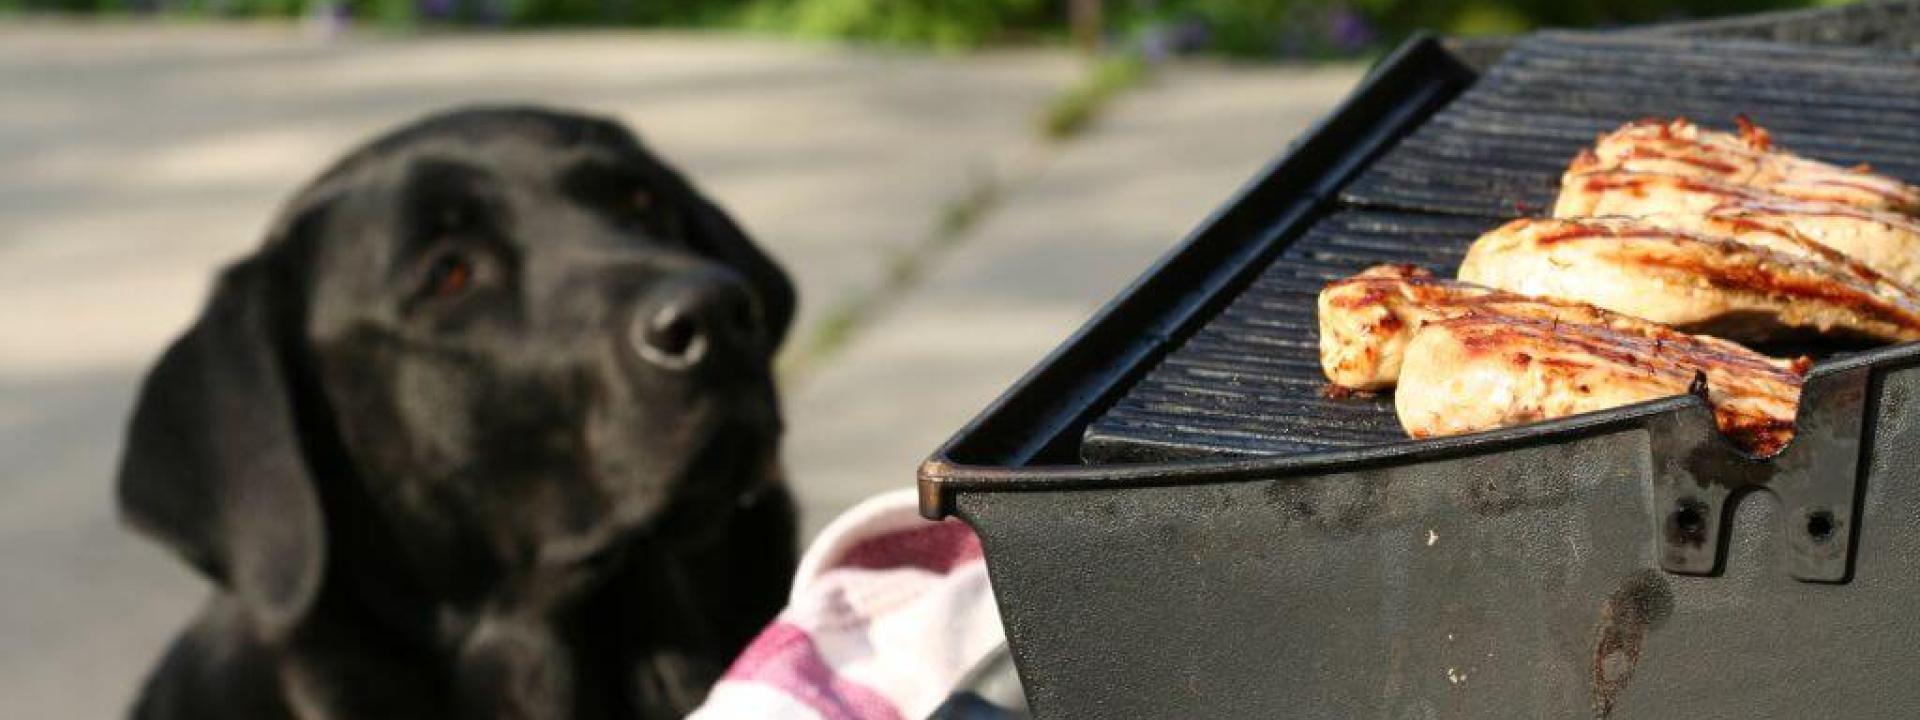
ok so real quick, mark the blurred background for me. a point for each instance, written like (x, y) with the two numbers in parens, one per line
(955, 184)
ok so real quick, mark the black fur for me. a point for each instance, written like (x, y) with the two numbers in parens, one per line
(412, 443)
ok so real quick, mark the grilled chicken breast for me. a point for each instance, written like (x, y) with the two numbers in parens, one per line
(1749, 159)
(1887, 242)
(1733, 222)
(1479, 372)
(1367, 320)
(1698, 284)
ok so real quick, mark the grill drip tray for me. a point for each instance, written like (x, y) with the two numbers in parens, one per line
(1249, 381)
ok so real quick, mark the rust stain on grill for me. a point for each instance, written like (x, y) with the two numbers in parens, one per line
(1642, 602)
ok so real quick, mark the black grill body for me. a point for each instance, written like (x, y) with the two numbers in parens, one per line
(1179, 524)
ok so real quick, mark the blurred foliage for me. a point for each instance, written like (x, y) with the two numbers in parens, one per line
(1245, 27)
(1334, 27)
(1072, 111)
(939, 23)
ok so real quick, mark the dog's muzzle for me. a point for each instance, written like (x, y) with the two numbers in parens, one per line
(692, 319)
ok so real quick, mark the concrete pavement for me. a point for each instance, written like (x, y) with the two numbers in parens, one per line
(134, 160)
(1066, 239)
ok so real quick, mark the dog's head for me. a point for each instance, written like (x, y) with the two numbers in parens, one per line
(484, 351)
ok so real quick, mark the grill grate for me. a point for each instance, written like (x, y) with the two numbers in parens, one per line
(1249, 381)
(1498, 149)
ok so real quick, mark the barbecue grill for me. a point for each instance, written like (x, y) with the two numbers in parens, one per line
(1179, 522)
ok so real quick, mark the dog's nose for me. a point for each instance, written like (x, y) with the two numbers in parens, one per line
(683, 321)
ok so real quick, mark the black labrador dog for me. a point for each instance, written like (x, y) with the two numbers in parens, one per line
(485, 428)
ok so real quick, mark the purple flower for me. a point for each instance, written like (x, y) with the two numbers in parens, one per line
(1348, 29)
(438, 9)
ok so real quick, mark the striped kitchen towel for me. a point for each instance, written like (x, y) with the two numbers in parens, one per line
(888, 613)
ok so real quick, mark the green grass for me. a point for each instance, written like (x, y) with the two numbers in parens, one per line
(1076, 108)
(962, 213)
(836, 327)
(1272, 29)
(946, 25)
(902, 270)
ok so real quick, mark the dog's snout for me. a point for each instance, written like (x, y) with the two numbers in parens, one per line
(686, 320)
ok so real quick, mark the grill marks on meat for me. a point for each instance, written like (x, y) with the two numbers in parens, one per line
(1746, 291)
(1887, 242)
(1662, 229)
(1366, 321)
(1469, 358)
(1748, 159)
(1480, 372)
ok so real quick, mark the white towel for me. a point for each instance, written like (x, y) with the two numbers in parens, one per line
(889, 611)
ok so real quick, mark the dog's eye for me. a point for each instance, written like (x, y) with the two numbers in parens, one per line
(450, 274)
(640, 202)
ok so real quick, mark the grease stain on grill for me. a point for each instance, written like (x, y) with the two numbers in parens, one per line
(1341, 505)
(1641, 603)
(1495, 495)
(1342, 392)
(1500, 488)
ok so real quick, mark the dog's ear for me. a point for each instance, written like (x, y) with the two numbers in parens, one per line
(213, 465)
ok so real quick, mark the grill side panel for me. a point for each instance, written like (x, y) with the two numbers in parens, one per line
(1521, 583)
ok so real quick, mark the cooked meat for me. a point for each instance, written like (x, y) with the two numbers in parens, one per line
(1749, 159)
(1887, 242)
(1733, 222)
(1366, 320)
(1480, 372)
(1696, 283)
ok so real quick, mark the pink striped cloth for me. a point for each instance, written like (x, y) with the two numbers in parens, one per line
(888, 612)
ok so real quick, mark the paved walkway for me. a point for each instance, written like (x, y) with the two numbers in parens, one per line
(133, 161)
(1066, 240)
